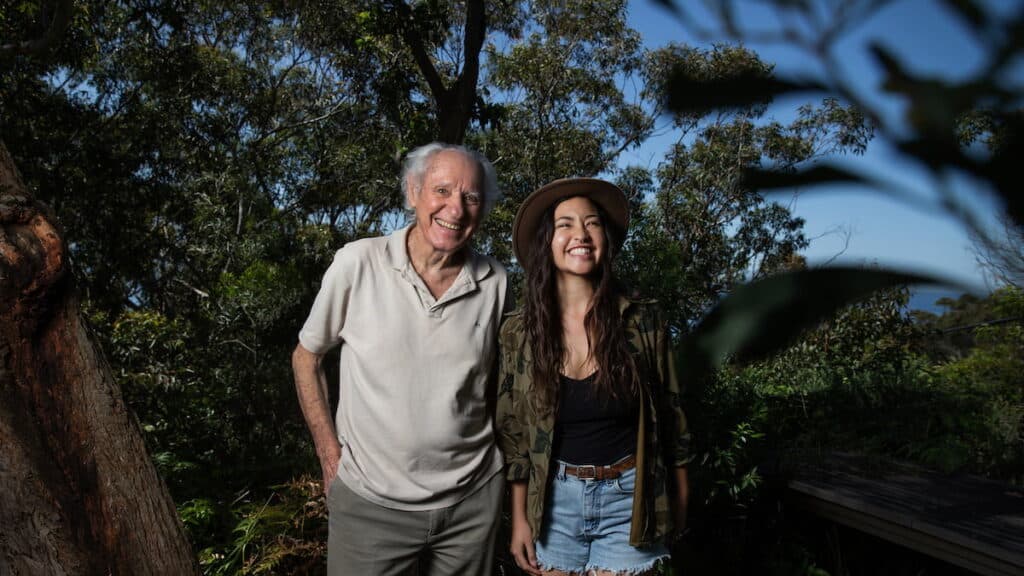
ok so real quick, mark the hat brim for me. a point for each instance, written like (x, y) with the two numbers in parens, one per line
(605, 194)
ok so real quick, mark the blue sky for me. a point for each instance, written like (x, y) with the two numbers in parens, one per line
(880, 229)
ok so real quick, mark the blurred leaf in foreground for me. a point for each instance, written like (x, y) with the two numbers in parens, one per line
(763, 317)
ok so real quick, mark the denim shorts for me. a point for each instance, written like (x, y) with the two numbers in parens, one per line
(586, 527)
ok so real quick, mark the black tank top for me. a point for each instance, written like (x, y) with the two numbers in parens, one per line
(591, 430)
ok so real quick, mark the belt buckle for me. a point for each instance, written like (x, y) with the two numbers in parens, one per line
(590, 474)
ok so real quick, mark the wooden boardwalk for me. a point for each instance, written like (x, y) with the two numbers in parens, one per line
(967, 521)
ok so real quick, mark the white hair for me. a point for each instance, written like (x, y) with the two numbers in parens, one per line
(415, 166)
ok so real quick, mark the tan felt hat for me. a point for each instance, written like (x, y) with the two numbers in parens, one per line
(605, 194)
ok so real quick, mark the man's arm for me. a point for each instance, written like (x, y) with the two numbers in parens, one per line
(311, 387)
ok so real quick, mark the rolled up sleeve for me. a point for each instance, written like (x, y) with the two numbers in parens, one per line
(681, 452)
(512, 436)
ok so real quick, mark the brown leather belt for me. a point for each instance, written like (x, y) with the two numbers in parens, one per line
(601, 472)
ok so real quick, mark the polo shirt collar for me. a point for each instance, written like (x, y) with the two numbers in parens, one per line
(394, 250)
(476, 267)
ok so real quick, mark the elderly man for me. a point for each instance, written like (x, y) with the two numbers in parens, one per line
(409, 464)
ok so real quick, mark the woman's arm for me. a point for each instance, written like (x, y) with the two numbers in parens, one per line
(521, 544)
(682, 500)
(679, 433)
(512, 439)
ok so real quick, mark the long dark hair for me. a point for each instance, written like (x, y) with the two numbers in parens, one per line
(616, 377)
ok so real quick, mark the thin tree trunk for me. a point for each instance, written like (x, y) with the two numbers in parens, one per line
(79, 494)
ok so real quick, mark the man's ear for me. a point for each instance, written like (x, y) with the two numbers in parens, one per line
(412, 191)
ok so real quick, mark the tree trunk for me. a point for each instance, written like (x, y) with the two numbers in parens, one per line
(454, 103)
(79, 494)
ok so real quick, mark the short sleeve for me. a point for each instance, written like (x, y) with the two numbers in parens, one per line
(323, 327)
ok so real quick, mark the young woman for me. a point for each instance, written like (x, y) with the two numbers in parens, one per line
(589, 412)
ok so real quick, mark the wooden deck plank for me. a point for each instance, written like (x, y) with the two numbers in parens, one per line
(968, 521)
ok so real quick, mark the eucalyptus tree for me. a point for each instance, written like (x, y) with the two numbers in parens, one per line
(707, 229)
(81, 494)
(558, 98)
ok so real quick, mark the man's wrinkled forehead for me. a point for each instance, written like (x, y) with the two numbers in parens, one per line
(458, 166)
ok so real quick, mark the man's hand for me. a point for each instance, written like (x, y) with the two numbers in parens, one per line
(329, 465)
(521, 547)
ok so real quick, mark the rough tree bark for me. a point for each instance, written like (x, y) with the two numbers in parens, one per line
(79, 493)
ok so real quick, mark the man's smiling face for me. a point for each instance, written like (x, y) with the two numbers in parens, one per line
(448, 200)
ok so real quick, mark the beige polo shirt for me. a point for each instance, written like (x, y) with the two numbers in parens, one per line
(412, 419)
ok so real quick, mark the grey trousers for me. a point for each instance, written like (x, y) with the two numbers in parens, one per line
(365, 539)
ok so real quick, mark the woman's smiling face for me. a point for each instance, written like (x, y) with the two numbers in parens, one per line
(578, 242)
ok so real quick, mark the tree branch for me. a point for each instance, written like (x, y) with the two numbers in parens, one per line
(337, 108)
(41, 46)
(412, 38)
(476, 30)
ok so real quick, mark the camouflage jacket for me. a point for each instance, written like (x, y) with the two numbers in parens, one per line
(662, 440)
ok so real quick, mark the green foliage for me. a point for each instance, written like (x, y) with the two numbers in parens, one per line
(987, 385)
(861, 383)
(562, 107)
(730, 468)
(206, 167)
(286, 533)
